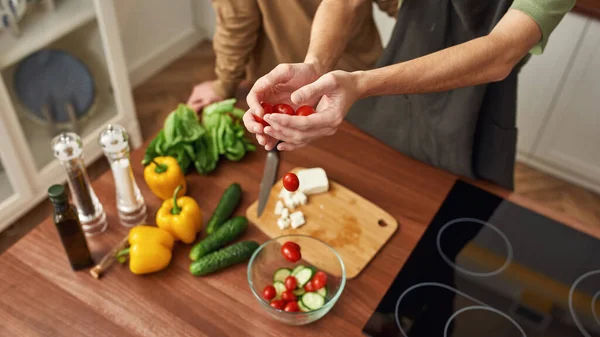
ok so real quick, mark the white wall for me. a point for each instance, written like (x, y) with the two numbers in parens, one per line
(384, 23)
(154, 33)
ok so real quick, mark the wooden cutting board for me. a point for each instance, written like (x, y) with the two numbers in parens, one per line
(351, 224)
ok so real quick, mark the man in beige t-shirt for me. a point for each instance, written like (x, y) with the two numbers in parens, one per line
(253, 36)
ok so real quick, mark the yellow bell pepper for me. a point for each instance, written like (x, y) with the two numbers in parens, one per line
(149, 250)
(182, 217)
(163, 175)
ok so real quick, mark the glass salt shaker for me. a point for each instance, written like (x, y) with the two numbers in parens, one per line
(114, 141)
(68, 149)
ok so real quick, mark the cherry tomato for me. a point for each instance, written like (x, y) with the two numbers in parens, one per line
(317, 283)
(291, 182)
(309, 286)
(290, 283)
(268, 108)
(291, 253)
(292, 244)
(305, 110)
(269, 293)
(288, 296)
(278, 304)
(292, 307)
(322, 276)
(260, 120)
(283, 109)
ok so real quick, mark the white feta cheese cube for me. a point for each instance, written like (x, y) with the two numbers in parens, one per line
(283, 223)
(297, 219)
(300, 198)
(278, 207)
(285, 194)
(289, 202)
(285, 213)
(313, 181)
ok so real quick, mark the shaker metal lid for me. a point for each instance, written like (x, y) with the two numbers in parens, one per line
(113, 138)
(67, 146)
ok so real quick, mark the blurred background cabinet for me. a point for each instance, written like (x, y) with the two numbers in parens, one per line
(559, 114)
(83, 33)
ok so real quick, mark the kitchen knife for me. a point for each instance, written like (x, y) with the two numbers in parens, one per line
(269, 178)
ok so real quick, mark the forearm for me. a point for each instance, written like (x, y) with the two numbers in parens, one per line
(238, 23)
(482, 60)
(330, 32)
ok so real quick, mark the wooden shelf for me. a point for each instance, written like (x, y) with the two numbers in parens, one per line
(40, 28)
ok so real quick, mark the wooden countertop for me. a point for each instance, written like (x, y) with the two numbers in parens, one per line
(40, 295)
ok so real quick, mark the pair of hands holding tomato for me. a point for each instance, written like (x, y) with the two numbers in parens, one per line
(299, 84)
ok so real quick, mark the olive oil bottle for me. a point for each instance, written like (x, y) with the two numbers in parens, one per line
(69, 229)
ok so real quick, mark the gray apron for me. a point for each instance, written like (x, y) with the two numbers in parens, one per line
(468, 131)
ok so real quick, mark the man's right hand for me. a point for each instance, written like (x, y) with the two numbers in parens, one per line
(273, 88)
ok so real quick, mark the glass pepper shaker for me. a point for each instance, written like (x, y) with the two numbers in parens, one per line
(131, 206)
(68, 149)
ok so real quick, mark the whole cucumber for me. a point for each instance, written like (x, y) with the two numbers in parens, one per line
(228, 256)
(231, 230)
(229, 201)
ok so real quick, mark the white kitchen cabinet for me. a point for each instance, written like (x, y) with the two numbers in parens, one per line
(541, 78)
(88, 30)
(569, 144)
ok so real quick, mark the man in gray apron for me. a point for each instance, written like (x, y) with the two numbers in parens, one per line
(444, 91)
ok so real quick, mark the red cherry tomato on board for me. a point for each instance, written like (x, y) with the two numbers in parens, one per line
(278, 304)
(283, 109)
(288, 296)
(290, 283)
(305, 110)
(291, 253)
(291, 182)
(320, 276)
(269, 293)
(292, 307)
(308, 287)
(268, 108)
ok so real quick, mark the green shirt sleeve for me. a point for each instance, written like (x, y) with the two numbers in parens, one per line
(546, 13)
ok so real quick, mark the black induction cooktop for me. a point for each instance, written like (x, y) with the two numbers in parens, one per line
(486, 267)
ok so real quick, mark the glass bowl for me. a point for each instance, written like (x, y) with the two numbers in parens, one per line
(316, 253)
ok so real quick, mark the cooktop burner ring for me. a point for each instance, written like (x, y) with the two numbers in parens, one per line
(572, 291)
(594, 300)
(509, 248)
(481, 307)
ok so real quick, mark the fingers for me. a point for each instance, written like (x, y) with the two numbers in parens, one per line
(298, 137)
(290, 147)
(313, 91)
(317, 120)
(251, 124)
(271, 143)
(282, 73)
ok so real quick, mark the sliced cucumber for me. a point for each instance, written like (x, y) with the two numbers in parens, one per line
(279, 288)
(303, 276)
(313, 301)
(299, 292)
(281, 274)
(297, 269)
(302, 307)
(322, 292)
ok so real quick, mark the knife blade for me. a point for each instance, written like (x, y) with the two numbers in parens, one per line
(268, 180)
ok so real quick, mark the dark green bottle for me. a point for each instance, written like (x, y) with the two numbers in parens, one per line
(69, 229)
